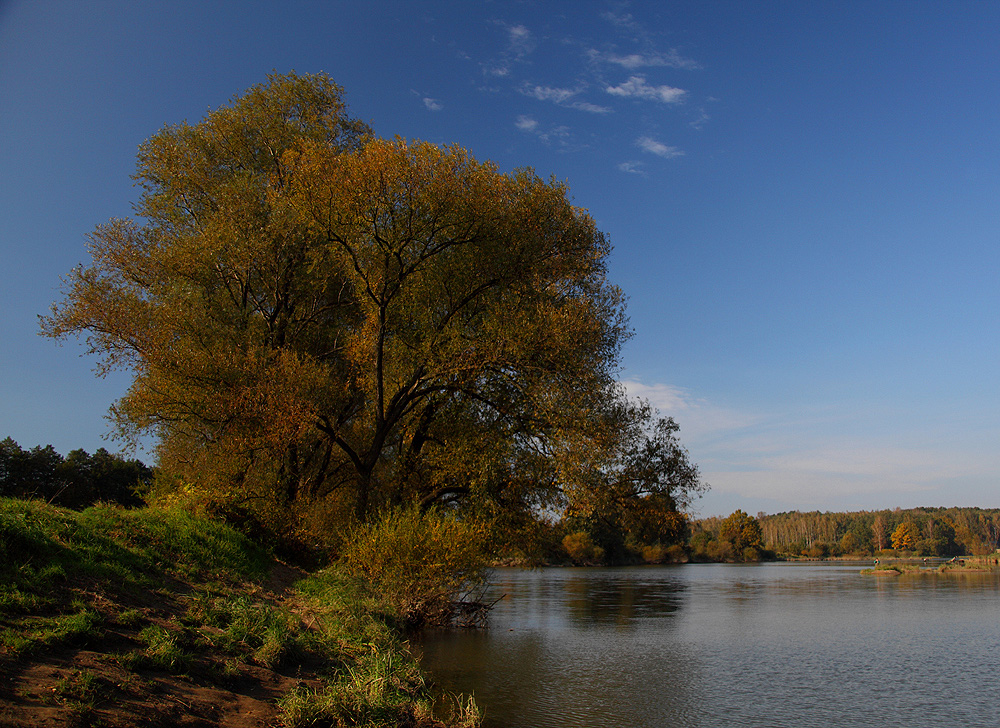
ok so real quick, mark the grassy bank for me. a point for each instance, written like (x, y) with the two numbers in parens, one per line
(113, 617)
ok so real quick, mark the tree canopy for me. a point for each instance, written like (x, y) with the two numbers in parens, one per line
(315, 315)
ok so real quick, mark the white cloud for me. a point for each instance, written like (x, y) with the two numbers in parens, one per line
(701, 120)
(665, 397)
(526, 123)
(647, 60)
(432, 104)
(520, 38)
(636, 87)
(548, 93)
(520, 41)
(648, 144)
(634, 60)
(562, 97)
(624, 21)
(590, 108)
(560, 135)
(631, 167)
(635, 33)
(520, 44)
(698, 418)
(557, 134)
(804, 471)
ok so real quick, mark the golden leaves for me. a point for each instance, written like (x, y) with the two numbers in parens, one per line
(297, 282)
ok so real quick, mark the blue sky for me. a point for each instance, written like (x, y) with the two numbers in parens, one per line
(803, 199)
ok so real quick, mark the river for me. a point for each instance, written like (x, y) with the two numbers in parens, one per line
(717, 645)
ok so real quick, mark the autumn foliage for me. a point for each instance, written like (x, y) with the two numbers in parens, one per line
(325, 327)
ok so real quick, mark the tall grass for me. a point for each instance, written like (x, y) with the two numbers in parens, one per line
(375, 681)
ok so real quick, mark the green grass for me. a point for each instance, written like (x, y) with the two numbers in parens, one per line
(249, 629)
(132, 548)
(50, 554)
(69, 578)
(34, 633)
(163, 650)
(78, 693)
(373, 680)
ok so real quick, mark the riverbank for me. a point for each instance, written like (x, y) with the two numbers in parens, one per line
(118, 618)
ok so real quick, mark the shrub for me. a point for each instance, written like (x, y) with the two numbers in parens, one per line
(581, 549)
(660, 554)
(655, 554)
(720, 551)
(422, 563)
(818, 550)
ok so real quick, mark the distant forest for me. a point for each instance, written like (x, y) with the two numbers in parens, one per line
(75, 481)
(914, 531)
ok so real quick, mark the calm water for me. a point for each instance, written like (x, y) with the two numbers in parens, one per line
(718, 645)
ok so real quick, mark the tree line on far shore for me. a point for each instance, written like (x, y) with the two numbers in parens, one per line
(922, 532)
(75, 481)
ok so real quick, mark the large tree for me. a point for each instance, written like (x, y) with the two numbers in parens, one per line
(312, 315)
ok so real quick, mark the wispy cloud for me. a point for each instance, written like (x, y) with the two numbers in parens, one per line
(636, 87)
(520, 44)
(664, 397)
(548, 93)
(648, 144)
(818, 459)
(698, 417)
(590, 108)
(557, 134)
(631, 168)
(526, 123)
(671, 59)
(653, 59)
(625, 21)
(700, 121)
(520, 39)
(593, 84)
(636, 33)
(797, 467)
(432, 104)
(562, 97)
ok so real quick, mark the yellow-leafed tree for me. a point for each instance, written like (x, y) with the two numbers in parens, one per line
(316, 316)
(905, 536)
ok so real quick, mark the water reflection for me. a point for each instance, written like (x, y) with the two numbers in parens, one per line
(540, 665)
(716, 645)
(619, 597)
